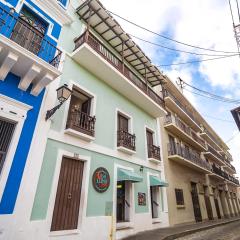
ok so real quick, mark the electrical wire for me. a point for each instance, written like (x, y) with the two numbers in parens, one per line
(231, 138)
(168, 38)
(174, 49)
(195, 61)
(219, 119)
(211, 94)
(216, 99)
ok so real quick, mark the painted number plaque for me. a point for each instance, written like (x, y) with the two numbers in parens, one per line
(101, 180)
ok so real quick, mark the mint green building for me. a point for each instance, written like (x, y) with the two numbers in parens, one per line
(95, 170)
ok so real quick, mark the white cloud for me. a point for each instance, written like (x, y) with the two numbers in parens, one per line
(202, 23)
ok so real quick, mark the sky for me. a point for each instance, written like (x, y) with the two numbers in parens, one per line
(204, 23)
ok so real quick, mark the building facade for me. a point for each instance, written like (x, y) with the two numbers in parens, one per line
(197, 164)
(97, 162)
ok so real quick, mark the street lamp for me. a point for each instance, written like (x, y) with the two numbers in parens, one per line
(63, 93)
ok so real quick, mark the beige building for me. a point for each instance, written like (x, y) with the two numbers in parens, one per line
(197, 164)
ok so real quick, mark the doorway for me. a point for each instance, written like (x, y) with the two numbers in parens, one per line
(208, 203)
(154, 192)
(195, 201)
(67, 202)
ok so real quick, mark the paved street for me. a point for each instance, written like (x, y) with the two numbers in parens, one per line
(227, 232)
(230, 231)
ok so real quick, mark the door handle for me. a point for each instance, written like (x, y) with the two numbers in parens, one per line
(69, 196)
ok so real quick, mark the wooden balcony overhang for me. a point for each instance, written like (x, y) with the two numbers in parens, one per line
(183, 161)
(132, 88)
(100, 20)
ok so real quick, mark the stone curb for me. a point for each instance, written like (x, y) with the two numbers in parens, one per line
(188, 232)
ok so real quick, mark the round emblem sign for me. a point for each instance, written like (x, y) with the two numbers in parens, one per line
(101, 180)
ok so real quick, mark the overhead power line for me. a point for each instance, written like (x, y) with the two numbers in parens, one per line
(176, 50)
(196, 61)
(219, 119)
(231, 138)
(168, 38)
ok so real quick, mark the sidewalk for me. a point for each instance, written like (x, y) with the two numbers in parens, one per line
(180, 230)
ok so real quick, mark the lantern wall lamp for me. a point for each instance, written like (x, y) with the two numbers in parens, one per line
(63, 93)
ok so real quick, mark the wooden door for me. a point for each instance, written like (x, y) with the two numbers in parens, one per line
(67, 202)
(195, 201)
(208, 204)
(217, 208)
(122, 123)
(86, 106)
(172, 145)
(149, 138)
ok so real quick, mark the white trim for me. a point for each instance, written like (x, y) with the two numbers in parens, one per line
(67, 105)
(60, 137)
(84, 192)
(15, 111)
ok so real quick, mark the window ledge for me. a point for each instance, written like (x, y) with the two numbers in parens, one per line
(124, 226)
(80, 135)
(154, 160)
(126, 150)
(180, 206)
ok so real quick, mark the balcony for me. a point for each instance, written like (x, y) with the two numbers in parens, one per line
(188, 158)
(205, 134)
(230, 167)
(81, 125)
(154, 153)
(98, 59)
(174, 104)
(25, 52)
(214, 155)
(126, 142)
(223, 175)
(174, 125)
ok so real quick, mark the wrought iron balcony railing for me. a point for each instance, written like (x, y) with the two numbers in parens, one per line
(118, 64)
(81, 122)
(220, 172)
(177, 149)
(126, 140)
(154, 152)
(216, 153)
(19, 31)
(184, 127)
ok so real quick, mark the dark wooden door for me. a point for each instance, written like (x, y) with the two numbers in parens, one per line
(172, 145)
(149, 138)
(217, 208)
(86, 106)
(195, 201)
(122, 123)
(6, 133)
(209, 207)
(121, 201)
(67, 202)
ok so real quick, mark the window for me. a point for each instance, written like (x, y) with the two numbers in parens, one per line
(179, 196)
(124, 138)
(6, 133)
(79, 118)
(122, 123)
(29, 31)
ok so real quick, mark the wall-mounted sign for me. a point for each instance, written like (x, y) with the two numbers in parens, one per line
(141, 199)
(101, 180)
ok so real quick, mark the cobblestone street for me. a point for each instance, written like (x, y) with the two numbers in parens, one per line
(227, 232)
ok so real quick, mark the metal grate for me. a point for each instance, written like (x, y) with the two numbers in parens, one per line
(6, 133)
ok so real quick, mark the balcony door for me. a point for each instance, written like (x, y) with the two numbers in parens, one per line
(122, 123)
(149, 138)
(29, 31)
(172, 145)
